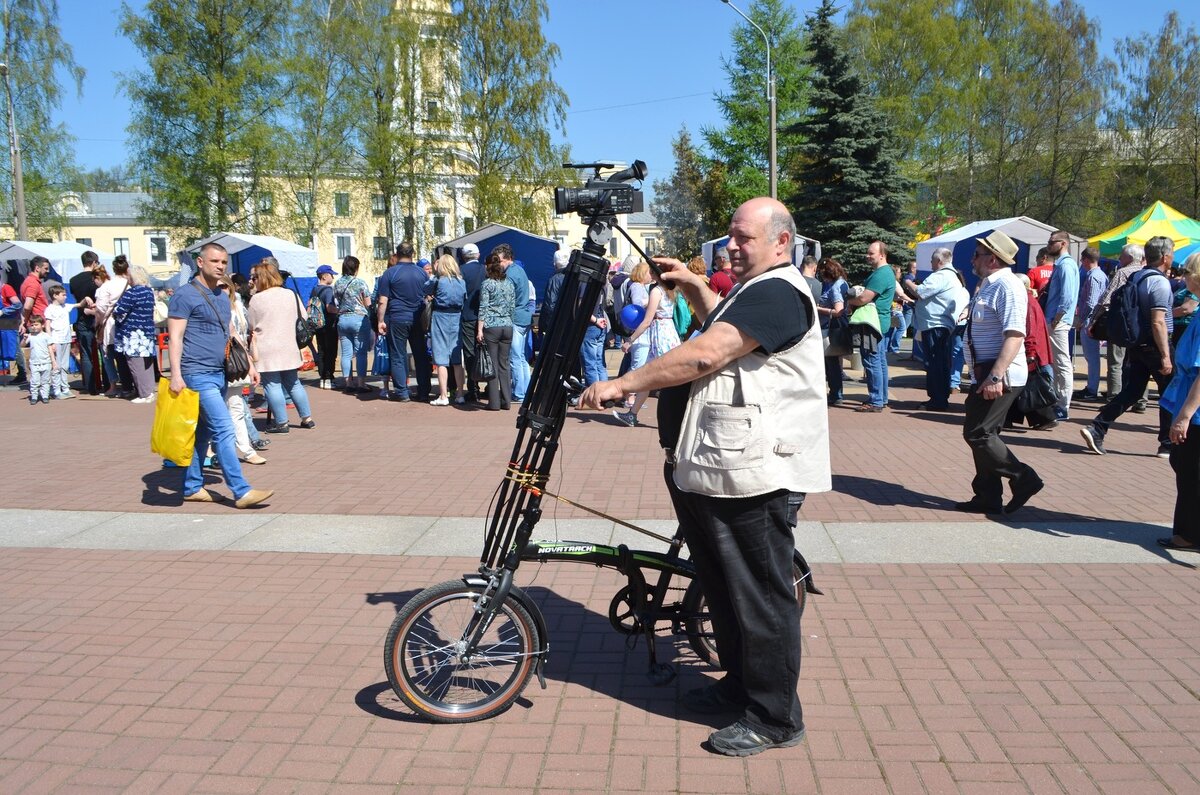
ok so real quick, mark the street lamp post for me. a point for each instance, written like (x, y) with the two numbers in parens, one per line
(770, 96)
(14, 148)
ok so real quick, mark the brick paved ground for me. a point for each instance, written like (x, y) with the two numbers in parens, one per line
(372, 457)
(236, 672)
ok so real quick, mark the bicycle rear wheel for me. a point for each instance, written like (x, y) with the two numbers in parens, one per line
(427, 665)
(698, 627)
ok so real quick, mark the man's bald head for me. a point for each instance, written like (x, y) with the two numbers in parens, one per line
(760, 237)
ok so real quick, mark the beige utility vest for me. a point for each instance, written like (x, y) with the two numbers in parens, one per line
(759, 424)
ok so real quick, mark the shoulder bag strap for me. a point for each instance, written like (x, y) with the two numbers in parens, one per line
(213, 307)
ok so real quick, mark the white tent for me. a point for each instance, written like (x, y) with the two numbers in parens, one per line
(63, 256)
(1029, 235)
(246, 250)
(803, 247)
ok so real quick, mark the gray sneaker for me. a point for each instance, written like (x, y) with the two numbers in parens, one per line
(1093, 440)
(626, 417)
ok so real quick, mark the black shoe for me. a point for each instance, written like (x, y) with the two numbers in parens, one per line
(1164, 450)
(1022, 491)
(740, 740)
(308, 423)
(930, 406)
(711, 700)
(400, 398)
(19, 381)
(261, 444)
(1093, 440)
(280, 428)
(976, 505)
(1044, 426)
(1138, 408)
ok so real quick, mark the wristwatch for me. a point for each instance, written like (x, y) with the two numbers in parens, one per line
(994, 379)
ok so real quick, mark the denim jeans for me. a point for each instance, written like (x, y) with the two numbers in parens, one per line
(957, 358)
(833, 377)
(354, 332)
(1091, 354)
(400, 335)
(592, 354)
(875, 369)
(517, 362)
(275, 385)
(216, 427)
(939, 353)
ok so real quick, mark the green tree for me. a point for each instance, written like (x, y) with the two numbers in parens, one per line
(1188, 133)
(852, 191)
(116, 179)
(510, 103)
(205, 110)
(742, 143)
(35, 54)
(677, 200)
(315, 133)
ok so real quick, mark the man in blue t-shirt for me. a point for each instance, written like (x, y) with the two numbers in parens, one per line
(1148, 359)
(401, 291)
(472, 273)
(522, 320)
(198, 328)
(880, 289)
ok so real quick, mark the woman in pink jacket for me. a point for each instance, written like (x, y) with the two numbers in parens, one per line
(274, 310)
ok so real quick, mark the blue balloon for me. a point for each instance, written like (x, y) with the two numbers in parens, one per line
(632, 315)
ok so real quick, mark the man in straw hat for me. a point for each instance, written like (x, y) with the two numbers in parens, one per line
(995, 343)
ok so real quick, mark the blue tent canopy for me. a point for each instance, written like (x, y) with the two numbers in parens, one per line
(535, 253)
(245, 251)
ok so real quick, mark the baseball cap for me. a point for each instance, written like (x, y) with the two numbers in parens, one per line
(470, 251)
(326, 269)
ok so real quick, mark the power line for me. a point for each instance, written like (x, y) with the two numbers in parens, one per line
(645, 102)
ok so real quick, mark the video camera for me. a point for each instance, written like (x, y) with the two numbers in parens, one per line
(603, 196)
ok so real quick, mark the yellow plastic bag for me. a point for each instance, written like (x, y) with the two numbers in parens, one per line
(175, 416)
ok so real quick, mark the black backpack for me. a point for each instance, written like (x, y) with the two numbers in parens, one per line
(1126, 325)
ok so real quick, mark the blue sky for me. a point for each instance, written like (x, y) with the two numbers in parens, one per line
(634, 70)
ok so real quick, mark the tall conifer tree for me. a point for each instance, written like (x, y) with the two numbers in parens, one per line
(851, 188)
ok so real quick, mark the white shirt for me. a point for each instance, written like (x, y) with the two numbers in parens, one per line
(59, 318)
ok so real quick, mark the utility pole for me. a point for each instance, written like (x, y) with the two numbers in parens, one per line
(771, 177)
(14, 148)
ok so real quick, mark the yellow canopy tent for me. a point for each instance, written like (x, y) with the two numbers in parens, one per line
(1157, 219)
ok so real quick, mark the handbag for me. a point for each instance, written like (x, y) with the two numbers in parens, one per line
(424, 319)
(837, 337)
(1099, 327)
(303, 331)
(1038, 393)
(485, 368)
(237, 360)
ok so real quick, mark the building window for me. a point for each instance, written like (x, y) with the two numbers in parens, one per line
(612, 247)
(303, 238)
(380, 247)
(341, 204)
(439, 223)
(303, 202)
(343, 243)
(433, 109)
(650, 242)
(378, 205)
(84, 241)
(266, 203)
(410, 226)
(158, 248)
(121, 245)
(468, 225)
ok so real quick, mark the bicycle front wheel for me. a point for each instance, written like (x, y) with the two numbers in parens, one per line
(430, 668)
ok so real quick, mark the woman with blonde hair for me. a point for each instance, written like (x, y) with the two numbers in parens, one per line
(655, 335)
(448, 292)
(274, 310)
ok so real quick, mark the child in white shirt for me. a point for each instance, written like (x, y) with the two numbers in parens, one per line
(58, 318)
(41, 361)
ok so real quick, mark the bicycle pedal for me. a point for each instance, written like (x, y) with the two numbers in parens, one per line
(661, 674)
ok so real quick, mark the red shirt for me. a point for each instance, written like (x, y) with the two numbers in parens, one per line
(721, 283)
(32, 288)
(1039, 277)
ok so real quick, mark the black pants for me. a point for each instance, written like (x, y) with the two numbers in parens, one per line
(85, 336)
(743, 549)
(1136, 373)
(1185, 460)
(499, 389)
(327, 348)
(123, 372)
(938, 344)
(466, 340)
(993, 460)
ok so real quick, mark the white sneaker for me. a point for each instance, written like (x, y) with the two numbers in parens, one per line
(442, 401)
(149, 399)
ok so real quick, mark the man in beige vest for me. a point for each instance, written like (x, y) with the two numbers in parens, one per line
(742, 416)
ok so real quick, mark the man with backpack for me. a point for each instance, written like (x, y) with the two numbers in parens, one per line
(1139, 319)
(322, 319)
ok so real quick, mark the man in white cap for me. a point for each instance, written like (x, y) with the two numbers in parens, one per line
(995, 343)
(472, 273)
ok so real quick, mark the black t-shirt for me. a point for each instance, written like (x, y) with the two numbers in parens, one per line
(777, 318)
(83, 285)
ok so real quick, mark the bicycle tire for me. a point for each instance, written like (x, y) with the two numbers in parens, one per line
(698, 628)
(425, 671)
